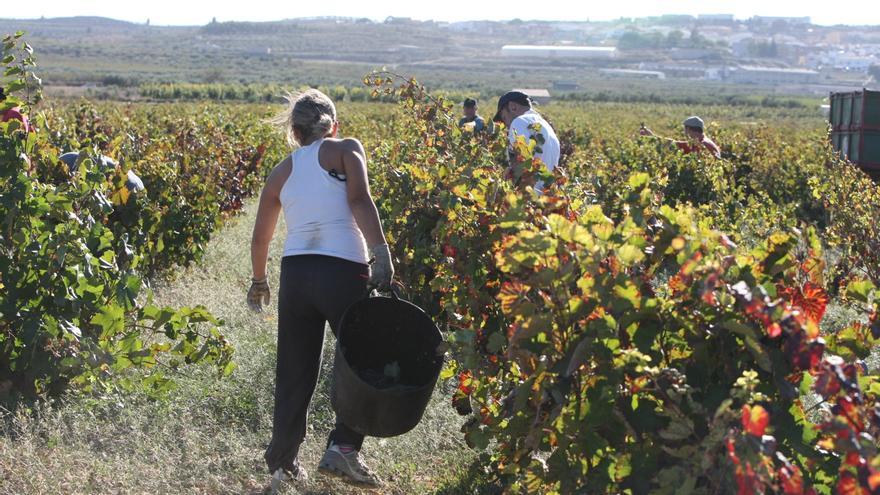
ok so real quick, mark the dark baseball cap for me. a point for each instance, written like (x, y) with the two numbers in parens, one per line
(694, 122)
(470, 102)
(516, 96)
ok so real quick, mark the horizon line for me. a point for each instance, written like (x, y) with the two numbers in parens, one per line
(695, 17)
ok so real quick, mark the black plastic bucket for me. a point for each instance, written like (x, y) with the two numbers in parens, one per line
(388, 359)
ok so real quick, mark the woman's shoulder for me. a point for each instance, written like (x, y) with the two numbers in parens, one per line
(338, 148)
(278, 176)
(344, 144)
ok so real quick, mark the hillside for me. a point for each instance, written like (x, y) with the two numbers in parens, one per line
(674, 55)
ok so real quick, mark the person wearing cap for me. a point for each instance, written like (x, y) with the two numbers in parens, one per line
(470, 115)
(516, 112)
(696, 142)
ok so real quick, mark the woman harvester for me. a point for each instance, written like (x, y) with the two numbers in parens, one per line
(331, 221)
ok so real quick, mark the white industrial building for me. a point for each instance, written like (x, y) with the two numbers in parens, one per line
(641, 74)
(746, 74)
(558, 52)
(539, 95)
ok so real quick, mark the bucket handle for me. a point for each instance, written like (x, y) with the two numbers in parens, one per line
(375, 293)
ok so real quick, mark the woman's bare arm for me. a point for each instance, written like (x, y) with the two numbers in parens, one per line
(358, 192)
(267, 217)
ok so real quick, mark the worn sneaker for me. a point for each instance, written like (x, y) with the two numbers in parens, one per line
(294, 474)
(346, 462)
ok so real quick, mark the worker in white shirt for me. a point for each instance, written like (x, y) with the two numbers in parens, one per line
(515, 111)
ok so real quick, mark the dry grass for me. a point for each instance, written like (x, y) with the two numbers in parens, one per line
(209, 435)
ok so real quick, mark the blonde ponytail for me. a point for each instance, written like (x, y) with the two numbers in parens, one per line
(311, 113)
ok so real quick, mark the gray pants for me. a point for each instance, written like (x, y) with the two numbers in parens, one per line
(314, 290)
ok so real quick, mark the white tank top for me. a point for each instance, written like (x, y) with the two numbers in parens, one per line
(316, 211)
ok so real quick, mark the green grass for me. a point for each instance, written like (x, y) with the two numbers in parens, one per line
(210, 434)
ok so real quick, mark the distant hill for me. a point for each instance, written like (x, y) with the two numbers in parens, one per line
(94, 21)
(339, 51)
(66, 24)
(88, 49)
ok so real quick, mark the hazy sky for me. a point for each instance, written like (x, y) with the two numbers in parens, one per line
(183, 12)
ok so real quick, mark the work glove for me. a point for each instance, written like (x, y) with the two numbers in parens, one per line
(381, 270)
(258, 295)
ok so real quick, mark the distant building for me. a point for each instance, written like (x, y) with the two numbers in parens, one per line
(686, 71)
(715, 17)
(713, 74)
(566, 86)
(716, 32)
(771, 75)
(674, 19)
(844, 60)
(641, 74)
(558, 52)
(540, 96)
(761, 19)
